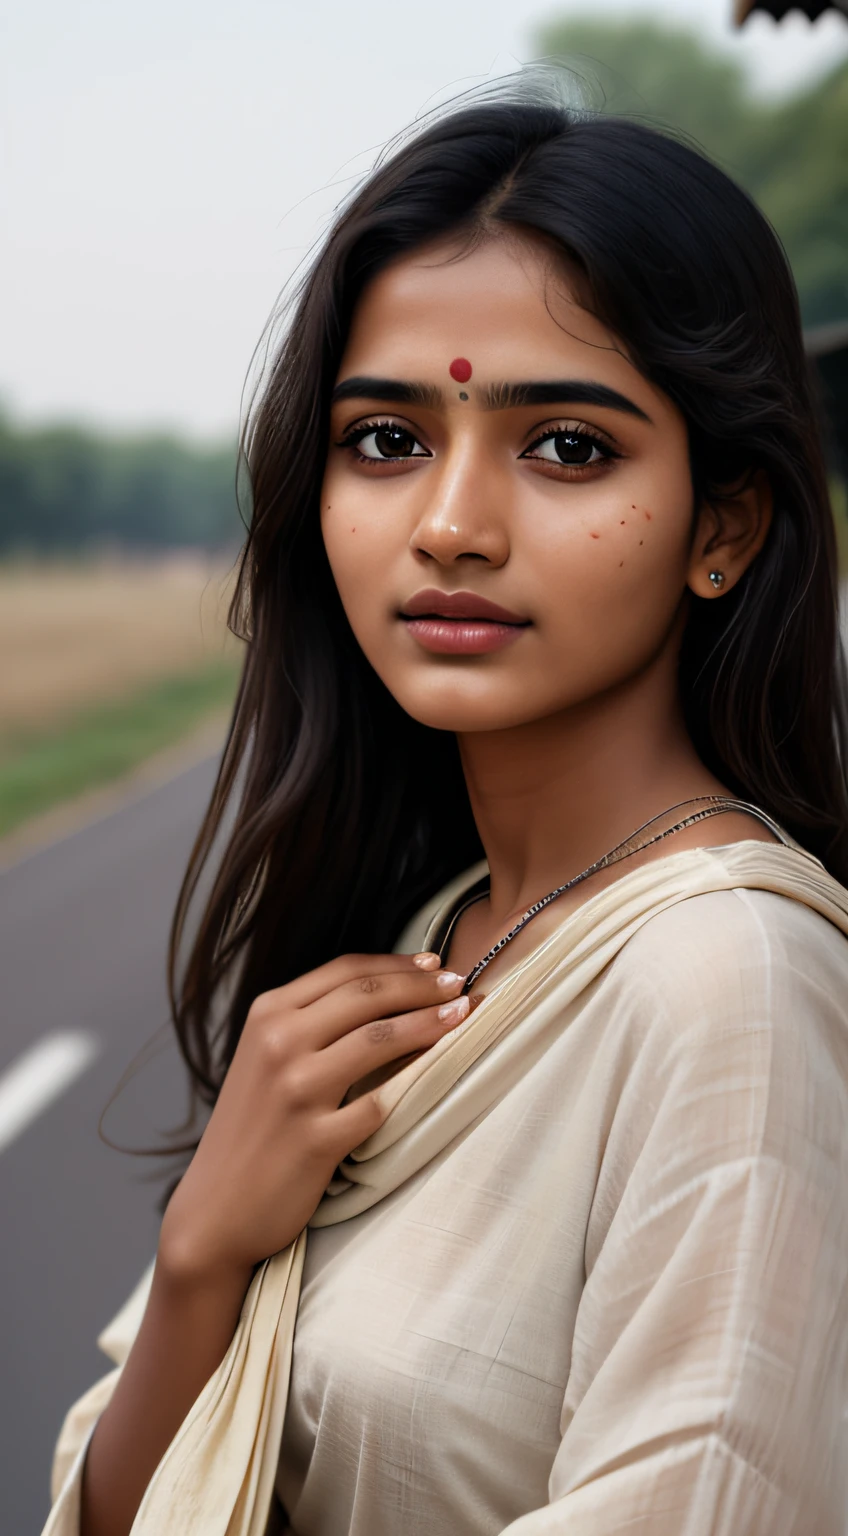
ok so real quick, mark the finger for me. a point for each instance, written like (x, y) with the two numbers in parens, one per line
(381, 1041)
(427, 960)
(374, 998)
(326, 978)
(355, 1122)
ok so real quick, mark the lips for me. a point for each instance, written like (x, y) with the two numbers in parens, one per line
(458, 605)
(460, 623)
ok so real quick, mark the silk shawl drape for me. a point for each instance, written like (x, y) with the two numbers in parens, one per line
(217, 1476)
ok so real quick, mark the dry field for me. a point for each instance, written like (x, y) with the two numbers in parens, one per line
(76, 636)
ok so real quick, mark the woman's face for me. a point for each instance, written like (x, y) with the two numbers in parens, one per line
(550, 479)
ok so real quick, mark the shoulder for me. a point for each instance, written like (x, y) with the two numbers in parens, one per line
(741, 998)
(734, 1006)
(741, 950)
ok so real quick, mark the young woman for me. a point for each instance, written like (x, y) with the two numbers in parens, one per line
(540, 583)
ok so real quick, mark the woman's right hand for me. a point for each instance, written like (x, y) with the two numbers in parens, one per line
(279, 1127)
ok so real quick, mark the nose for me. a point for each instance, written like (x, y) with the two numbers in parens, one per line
(463, 513)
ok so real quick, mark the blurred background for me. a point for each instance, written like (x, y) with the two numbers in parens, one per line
(166, 170)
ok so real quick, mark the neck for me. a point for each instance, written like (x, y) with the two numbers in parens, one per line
(552, 796)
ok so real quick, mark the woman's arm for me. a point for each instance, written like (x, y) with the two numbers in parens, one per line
(709, 1378)
(279, 1128)
(187, 1327)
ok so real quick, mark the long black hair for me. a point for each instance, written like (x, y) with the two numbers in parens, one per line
(348, 813)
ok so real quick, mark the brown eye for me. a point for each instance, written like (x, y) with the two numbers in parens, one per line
(387, 440)
(568, 448)
(394, 442)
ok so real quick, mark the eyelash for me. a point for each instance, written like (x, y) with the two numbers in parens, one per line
(356, 434)
(569, 471)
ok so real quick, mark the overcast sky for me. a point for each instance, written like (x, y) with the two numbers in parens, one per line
(166, 165)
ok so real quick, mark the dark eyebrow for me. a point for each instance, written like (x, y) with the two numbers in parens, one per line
(363, 388)
(497, 397)
(503, 397)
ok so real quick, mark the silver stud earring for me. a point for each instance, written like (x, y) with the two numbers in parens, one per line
(717, 579)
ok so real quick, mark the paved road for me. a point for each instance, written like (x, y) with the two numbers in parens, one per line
(83, 928)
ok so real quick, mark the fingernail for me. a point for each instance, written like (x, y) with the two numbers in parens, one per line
(448, 979)
(455, 1012)
(426, 961)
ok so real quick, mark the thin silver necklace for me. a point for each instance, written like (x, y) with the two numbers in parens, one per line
(712, 805)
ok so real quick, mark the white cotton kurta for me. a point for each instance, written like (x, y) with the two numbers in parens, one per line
(619, 1300)
(616, 1299)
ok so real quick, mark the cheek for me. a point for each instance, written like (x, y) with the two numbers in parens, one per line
(639, 524)
(356, 549)
(614, 567)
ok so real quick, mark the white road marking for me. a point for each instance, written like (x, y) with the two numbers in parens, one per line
(39, 1076)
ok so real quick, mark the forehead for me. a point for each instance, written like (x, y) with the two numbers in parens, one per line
(509, 305)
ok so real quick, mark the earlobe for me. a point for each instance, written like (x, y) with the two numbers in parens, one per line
(731, 532)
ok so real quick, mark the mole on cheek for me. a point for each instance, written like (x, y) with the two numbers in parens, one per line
(594, 535)
(648, 516)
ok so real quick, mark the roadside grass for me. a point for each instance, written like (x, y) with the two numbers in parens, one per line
(78, 635)
(103, 743)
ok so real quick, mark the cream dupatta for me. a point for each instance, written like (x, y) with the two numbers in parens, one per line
(217, 1476)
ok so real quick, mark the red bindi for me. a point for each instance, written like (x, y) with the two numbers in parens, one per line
(460, 369)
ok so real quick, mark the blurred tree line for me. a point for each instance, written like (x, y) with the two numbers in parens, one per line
(64, 489)
(790, 154)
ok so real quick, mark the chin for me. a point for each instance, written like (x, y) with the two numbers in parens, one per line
(450, 710)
